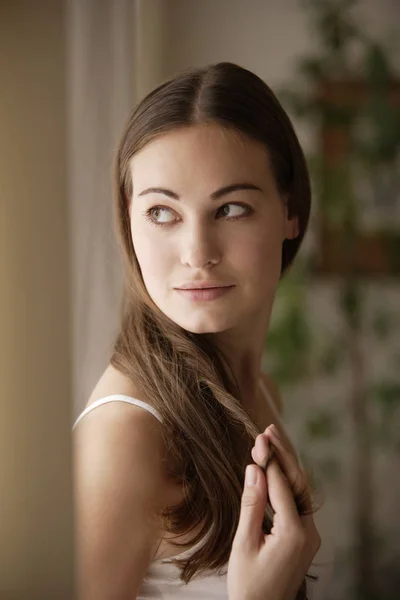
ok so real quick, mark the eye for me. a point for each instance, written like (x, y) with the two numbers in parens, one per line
(158, 215)
(239, 210)
(161, 215)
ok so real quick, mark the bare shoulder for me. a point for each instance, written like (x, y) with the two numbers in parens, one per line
(119, 429)
(124, 424)
(120, 486)
(273, 390)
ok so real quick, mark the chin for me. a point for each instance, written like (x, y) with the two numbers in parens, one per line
(205, 319)
(201, 328)
(196, 324)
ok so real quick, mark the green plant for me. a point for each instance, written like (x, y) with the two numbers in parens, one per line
(294, 351)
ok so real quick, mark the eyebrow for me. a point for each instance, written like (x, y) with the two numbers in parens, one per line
(214, 196)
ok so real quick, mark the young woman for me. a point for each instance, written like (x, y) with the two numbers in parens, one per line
(212, 203)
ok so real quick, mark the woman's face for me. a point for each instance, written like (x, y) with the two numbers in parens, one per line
(205, 210)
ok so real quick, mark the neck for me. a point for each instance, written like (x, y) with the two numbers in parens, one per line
(244, 354)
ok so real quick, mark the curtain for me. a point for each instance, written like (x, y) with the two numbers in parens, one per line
(100, 95)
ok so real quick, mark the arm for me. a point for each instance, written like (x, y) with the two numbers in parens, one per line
(118, 484)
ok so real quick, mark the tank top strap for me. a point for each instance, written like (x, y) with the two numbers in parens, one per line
(118, 398)
(278, 417)
(269, 399)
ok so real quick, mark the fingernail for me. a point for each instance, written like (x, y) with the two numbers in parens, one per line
(274, 430)
(251, 475)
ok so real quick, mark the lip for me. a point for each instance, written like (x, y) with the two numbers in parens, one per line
(205, 294)
(200, 285)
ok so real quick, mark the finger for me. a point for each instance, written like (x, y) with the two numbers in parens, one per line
(295, 474)
(261, 451)
(254, 498)
(281, 496)
(297, 478)
(286, 517)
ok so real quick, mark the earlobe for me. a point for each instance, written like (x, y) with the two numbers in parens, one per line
(292, 228)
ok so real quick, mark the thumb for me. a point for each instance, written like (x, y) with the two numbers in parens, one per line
(252, 508)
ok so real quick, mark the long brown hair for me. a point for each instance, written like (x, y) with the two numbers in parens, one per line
(207, 432)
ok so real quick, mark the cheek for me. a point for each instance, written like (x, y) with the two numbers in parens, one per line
(260, 254)
(154, 260)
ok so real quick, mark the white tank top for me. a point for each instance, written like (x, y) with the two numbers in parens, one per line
(162, 579)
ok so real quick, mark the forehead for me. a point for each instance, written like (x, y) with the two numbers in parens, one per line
(207, 155)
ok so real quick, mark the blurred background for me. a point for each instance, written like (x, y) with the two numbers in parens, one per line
(71, 71)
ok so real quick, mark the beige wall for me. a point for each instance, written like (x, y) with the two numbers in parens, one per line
(150, 45)
(35, 482)
(265, 36)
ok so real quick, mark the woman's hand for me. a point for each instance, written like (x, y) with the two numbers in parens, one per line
(294, 473)
(272, 566)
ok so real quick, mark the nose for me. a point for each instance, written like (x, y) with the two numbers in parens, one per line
(200, 247)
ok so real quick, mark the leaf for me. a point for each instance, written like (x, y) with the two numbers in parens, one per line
(377, 66)
(392, 244)
(288, 342)
(336, 194)
(313, 68)
(387, 394)
(324, 425)
(332, 358)
(350, 301)
(381, 324)
(287, 346)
